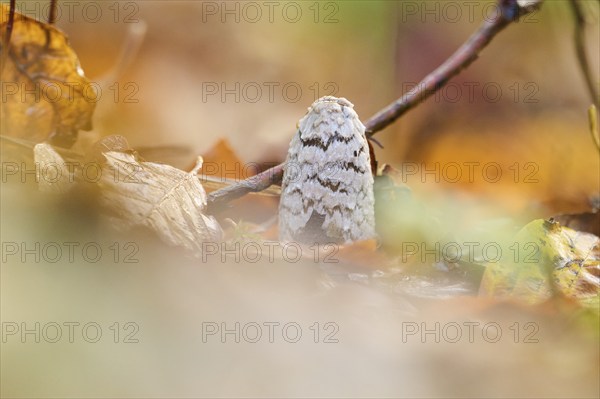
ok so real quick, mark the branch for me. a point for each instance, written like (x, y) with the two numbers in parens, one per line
(507, 11)
(581, 53)
(253, 184)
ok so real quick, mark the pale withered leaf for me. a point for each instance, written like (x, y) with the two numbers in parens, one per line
(52, 172)
(165, 199)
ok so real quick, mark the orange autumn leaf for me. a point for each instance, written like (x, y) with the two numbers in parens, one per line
(222, 167)
(221, 162)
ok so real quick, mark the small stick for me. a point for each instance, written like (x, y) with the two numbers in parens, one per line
(508, 11)
(256, 183)
(52, 15)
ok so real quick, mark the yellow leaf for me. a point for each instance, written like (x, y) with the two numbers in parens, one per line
(547, 259)
(45, 95)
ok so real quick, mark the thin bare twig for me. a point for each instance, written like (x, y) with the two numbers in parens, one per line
(579, 37)
(508, 11)
(9, 29)
(52, 14)
(130, 47)
(253, 184)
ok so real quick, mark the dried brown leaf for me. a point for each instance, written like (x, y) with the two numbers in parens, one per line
(45, 93)
(167, 200)
(52, 173)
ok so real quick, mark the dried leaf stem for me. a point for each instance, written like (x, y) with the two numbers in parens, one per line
(579, 37)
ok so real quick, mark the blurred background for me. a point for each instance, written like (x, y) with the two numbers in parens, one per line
(246, 72)
(185, 75)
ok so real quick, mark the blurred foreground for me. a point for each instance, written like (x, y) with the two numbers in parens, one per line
(377, 333)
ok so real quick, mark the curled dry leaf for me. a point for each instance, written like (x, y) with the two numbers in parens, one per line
(165, 199)
(52, 173)
(45, 93)
(113, 142)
